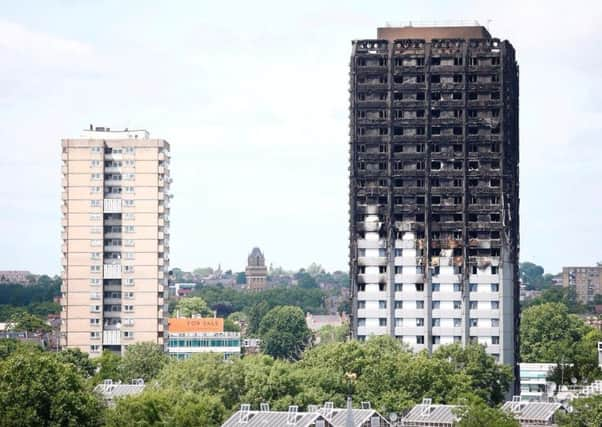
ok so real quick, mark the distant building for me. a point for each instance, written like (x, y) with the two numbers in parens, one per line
(316, 321)
(251, 345)
(533, 381)
(183, 289)
(256, 271)
(15, 276)
(201, 335)
(585, 281)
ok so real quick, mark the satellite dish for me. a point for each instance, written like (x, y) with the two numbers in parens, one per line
(393, 416)
(574, 380)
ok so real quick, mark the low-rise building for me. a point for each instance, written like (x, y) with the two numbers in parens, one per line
(201, 335)
(534, 384)
(530, 413)
(110, 390)
(429, 415)
(315, 416)
(15, 276)
(316, 321)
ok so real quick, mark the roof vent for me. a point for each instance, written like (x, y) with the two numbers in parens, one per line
(426, 407)
(264, 407)
(243, 416)
(366, 405)
(291, 417)
(328, 408)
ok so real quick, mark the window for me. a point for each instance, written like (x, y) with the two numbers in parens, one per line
(436, 287)
(398, 322)
(94, 163)
(474, 305)
(457, 305)
(382, 321)
(495, 287)
(95, 335)
(94, 308)
(128, 295)
(420, 339)
(436, 322)
(457, 287)
(129, 216)
(95, 348)
(495, 323)
(128, 335)
(128, 203)
(398, 304)
(495, 340)
(474, 323)
(398, 287)
(474, 287)
(128, 308)
(96, 242)
(457, 339)
(94, 322)
(129, 281)
(95, 189)
(419, 287)
(95, 149)
(419, 305)
(128, 268)
(361, 304)
(94, 295)
(420, 321)
(436, 339)
(457, 322)
(128, 242)
(128, 322)
(382, 304)
(95, 269)
(129, 255)
(94, 282)
(436, 305)
(94, 203)
(95, 255)
(361, 322)
(129, 228)
(495, 305)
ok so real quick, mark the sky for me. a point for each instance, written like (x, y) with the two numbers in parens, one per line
(253, 97)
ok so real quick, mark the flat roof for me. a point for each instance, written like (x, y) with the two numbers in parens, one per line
(428, 33)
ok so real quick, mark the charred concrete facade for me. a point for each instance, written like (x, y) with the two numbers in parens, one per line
(434, 190)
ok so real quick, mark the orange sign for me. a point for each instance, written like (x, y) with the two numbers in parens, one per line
(204, 324)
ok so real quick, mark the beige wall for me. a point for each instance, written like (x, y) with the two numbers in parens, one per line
(149, 272)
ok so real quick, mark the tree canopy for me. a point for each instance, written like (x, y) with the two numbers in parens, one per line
(192, 306)
(284, 333)
(142, 360)
(37, 389)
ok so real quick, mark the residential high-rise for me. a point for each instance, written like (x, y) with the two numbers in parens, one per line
(256, 272)
(585, 282)
(115, 233)
(434, 234)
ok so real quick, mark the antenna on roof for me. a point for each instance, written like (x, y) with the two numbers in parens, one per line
(291, 417)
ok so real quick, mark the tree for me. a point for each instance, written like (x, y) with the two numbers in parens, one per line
(489, 380)
(37, 389)
(25, 322)
(142, 360)
(479, 415)
(167, 408)
(230, 326)
(284, 332)
(192, 306)
(256, 314)
(305, 280)
(329, 334)
(79, 360)
(587, 411)
(549, 333)
(108, 367)
(241, 278)
(8, 346)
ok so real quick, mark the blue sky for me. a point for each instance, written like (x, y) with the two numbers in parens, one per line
(253, 98)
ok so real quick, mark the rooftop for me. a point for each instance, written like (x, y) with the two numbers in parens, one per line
(434, 30)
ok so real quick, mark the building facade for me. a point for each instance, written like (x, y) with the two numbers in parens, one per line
(115, 234)
(586, 282)
(256, 272)
(201, 335)
(434, 234)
